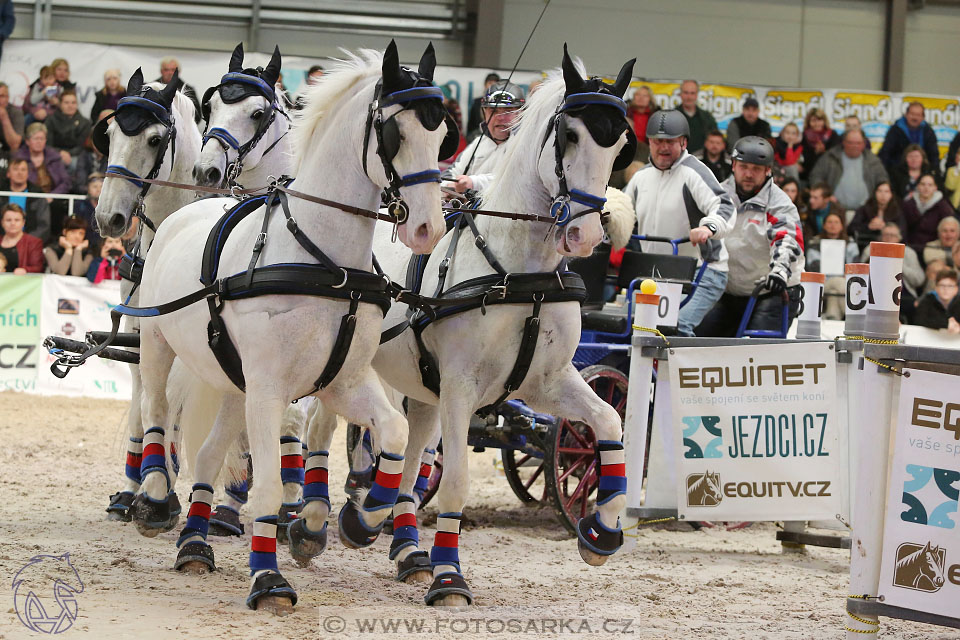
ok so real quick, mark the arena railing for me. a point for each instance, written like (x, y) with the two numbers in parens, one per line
(69, 197)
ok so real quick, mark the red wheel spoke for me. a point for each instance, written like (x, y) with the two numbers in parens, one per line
(533, 478)
(573, 467)
(521, 461)
(610, 392)
(582, 488)
(581, 438)
(575, 451)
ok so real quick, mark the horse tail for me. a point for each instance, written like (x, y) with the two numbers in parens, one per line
(194, 405)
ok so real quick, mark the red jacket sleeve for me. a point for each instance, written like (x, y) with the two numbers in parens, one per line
(30, 253)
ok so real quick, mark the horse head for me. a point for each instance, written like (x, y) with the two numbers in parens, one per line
(930, 567)
(245, 119)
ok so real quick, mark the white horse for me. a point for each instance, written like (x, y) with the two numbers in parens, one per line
(571, 127)
(347, 166)
(152, 135)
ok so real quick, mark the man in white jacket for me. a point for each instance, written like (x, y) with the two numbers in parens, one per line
(676, 196)
(765, 245)
(473, 169)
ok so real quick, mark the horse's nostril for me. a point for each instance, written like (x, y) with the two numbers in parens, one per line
(213, 175)
(117, 221)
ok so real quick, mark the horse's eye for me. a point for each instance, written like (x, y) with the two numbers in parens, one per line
(256, 115)
(154, 141)
(572, 137)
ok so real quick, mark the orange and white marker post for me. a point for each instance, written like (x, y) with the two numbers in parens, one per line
(856, 281)
(811, 307)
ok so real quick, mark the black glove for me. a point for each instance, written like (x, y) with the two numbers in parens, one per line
(775, 283)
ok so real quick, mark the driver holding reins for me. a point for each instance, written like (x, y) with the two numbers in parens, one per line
(501, 105)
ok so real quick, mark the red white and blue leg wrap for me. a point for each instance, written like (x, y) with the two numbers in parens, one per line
(291, 460)
(134, 459)
(238, 491)
(263, 545)
(198, 517)
(445, 554)
(154, 459)
(613, 479)
(174, 460)
(404, 525)
(315, 479)
(426, 468)
(386, 485)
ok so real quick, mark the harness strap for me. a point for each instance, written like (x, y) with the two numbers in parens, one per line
(481, 244)
(304, 241)
(348, 324)
(222, 346)
(259, 243)
(528, 347)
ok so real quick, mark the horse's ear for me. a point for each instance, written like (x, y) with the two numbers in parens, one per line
(135, 82)
(623, 80)
(171, 89)
(236, 60)
(391, 68)
(428, 62)
(571, 76)
(272, 72)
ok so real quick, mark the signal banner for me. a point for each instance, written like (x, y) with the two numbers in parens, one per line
(757, 432)
(920, 567)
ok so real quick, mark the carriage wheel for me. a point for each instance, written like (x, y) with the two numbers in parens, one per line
(572, 475)
(525, 475)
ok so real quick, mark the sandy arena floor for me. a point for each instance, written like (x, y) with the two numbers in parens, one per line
(61, 460)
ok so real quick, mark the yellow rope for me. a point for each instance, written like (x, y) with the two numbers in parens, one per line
(869, 623)
(654, 330)
(876, 362)
(640, 522)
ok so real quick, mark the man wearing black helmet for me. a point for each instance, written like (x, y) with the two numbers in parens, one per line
(765, 245)
(473, 169)
(676, 196)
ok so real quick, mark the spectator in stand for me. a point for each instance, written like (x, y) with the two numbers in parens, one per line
(904, 176)
(940, 309)
(714, 155)
(68, 132)
(475, 114)
(818, 138)
(834, 285)
(313, 76)
(851, 170)
(641, 107)
(869, 220)
(699, 121)
(86, 209)
(7, 21)
(61, 71)
(948, 231)
(453, 108)
(169, 66)
(913, 276)
(11, 127)
(47, 170)
(910, 129)
(792, 188)
(951, 183)
(37, 216)
(24, 252)
(821, 205)
(107, 265)
(788, 150)
(748, 123)
(764, 245)
(43, 97)
(109, 96)
(72, 255)
(852, 122)
(922, 213)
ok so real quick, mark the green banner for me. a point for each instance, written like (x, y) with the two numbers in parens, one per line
(19, 331)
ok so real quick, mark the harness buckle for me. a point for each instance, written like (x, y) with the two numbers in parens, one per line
(261, 240)
(345, 277)
(292, 225)
(480, 242)
(444, 265)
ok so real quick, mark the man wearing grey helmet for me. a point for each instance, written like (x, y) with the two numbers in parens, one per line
(676, 196)
(765, 245)
(473, 169)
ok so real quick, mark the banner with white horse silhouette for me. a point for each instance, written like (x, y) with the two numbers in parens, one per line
(920, 568)
(756, 432)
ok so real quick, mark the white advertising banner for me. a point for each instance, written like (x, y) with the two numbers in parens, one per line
(920, 568)
(71, 306)
(757, 432)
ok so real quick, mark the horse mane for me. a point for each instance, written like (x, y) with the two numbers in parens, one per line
(910, 559)
(507, 191)
(321, 97)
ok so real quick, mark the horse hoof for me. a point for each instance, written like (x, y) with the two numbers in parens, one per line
(354, 533)
(453, 600)
(150, 516)
(591, 558)
(271, 592)
(304, 544)
(119, 509)
(449, 590)
(277, 605)
(415, 568)
(195, 558)
(421, 576)
(225, 521)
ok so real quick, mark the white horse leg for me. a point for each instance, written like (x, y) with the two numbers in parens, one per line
(567, 395)
(196, 555)
(449, 587)
(151, 508)
(291, 468)
(427, 457)
(225, 519)
(120, 502)
(367, 404)
(265, 404)
(308, 534)
(413, 564)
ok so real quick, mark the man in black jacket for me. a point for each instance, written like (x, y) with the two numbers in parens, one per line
(748, 123)
(911, 128)
(167, 68)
